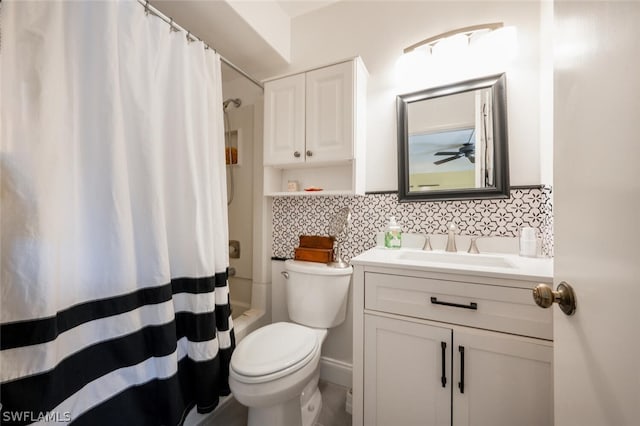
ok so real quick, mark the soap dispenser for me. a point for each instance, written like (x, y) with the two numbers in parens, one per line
(393, 234)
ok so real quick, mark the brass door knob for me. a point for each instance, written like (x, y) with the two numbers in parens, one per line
(564, 296)
(296, 154)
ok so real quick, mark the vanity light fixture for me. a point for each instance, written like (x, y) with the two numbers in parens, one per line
(457, 55)
(469, 32)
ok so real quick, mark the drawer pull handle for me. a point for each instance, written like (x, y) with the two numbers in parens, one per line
(461, 382)
(443, 378)
(472, 305)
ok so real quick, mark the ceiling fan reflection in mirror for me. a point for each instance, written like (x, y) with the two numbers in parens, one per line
(468, 150)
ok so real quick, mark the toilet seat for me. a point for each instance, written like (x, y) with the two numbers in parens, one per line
(273, 351)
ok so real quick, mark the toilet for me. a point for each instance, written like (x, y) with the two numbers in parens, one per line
(275, 370)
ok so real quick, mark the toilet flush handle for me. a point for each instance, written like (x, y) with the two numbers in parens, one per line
(285, 274)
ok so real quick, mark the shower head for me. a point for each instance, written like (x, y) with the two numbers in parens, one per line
(235, 101)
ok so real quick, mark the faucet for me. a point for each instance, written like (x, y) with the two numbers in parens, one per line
(427, 243)
(473, 247)
(451, 237)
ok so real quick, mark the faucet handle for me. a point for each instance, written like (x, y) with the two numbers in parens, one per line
(427, 243)
(452, 227)
(473, 247)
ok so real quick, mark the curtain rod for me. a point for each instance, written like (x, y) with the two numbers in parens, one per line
(191, 37)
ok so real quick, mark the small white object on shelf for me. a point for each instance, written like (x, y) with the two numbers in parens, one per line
(528, 242)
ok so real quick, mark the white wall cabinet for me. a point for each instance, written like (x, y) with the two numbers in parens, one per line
(330, 114)
(284, 115)
(314, 130)
(440, 349)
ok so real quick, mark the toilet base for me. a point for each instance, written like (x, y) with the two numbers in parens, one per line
(303, 410)
(288, 413)
(311, 410)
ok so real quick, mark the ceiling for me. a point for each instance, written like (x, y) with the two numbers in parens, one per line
(300, 7)
(221, 27)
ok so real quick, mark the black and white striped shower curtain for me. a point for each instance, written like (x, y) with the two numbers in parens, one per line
(114, 296)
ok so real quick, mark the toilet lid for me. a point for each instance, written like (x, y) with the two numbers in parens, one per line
(273, 348)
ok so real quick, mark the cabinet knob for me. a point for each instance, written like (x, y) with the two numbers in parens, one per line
(296, 154)
(564, 296)
(309, 153)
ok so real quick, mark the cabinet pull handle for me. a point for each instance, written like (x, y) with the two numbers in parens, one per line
(443, 379)
(296, 154)
(461, 382)
(472, 305)
(309, 154)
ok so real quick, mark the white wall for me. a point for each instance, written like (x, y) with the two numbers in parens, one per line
(236, 86)
(546, 93)
(269, 20)
(378, 31)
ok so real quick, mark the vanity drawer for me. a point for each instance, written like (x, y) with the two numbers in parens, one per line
(490, 307)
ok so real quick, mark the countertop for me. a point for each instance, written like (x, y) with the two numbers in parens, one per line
(508, 266)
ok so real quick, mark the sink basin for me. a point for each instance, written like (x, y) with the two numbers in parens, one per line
(500, 265)
(456, 258)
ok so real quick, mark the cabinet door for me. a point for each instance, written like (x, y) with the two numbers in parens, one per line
(508, 380)
(284, 126)
(330, 103)
(404, 382)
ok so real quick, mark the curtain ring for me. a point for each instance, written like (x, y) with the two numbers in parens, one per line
(171, 27)
(146, 8)
(189, 40)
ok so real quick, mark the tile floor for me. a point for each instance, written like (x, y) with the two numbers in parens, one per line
(332, 414)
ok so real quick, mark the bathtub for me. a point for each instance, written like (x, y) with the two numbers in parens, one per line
(247, 322)
(238, 309)
(248, 308)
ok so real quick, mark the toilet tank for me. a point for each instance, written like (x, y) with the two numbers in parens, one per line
(317, 293)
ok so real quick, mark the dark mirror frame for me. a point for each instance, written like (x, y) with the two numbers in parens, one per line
(500, 133)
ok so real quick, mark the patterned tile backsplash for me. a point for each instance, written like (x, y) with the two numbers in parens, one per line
(310, 215)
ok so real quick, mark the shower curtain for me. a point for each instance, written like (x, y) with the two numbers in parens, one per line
(115, 306)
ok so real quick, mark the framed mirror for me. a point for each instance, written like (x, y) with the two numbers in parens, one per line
(453, 143)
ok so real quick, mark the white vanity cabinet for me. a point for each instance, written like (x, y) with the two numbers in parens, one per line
(438, 348)
(508, 380)
(403, 373)
(314, 130)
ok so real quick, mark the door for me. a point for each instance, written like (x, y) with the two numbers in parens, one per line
(284, 126)
(406, 373)
(597, 211)
(501, 379)
(330, 103)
